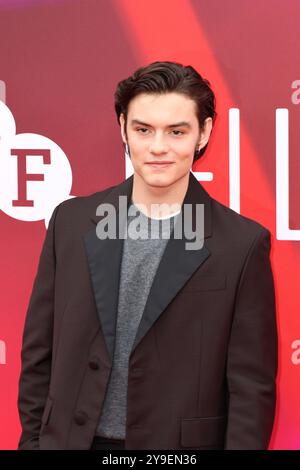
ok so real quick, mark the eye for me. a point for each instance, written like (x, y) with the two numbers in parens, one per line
(178, 131)
(144, 129)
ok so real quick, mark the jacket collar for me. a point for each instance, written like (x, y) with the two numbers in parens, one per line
(195, 194)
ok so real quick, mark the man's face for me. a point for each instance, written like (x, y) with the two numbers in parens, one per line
(152, 136)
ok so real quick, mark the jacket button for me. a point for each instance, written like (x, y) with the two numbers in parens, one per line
(94, 364)
(80, 418)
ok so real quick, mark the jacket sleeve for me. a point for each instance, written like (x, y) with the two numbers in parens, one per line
(252, 353)
(36, 349)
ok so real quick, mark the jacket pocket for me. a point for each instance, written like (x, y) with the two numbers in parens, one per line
(47, 410)
(203, 432)
(205, 283)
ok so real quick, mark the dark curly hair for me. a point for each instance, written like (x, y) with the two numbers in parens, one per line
(163, 77)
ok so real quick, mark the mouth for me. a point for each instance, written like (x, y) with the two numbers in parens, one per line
(159, 165)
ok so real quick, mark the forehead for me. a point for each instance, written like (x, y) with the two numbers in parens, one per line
(162, 109)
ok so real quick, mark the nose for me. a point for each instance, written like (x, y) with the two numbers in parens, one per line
(158, 145)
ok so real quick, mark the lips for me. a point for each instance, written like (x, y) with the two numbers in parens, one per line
(159, 165)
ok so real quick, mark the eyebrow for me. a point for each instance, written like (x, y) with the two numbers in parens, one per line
(177, 124)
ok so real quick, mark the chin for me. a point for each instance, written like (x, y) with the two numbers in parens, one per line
(159, 180)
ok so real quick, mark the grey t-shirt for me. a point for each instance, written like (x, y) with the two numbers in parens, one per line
(140, 259)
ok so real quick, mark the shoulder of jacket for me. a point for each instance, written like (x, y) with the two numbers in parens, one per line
(79, 201)
(238, 221)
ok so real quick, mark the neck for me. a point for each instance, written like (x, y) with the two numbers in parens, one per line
(145, 194)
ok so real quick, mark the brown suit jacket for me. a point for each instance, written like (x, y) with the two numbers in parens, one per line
(202, 370)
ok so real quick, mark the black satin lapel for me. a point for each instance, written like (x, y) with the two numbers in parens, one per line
(104, 263)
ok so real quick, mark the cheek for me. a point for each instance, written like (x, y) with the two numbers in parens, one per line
(138, 147)
(184, 148)
(185, 157)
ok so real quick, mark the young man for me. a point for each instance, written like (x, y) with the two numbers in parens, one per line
(144, 342)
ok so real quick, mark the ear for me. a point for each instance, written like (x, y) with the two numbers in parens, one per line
(205, 133)
(122, 123)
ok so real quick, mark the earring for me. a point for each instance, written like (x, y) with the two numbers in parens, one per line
(198, 150)
(126, 149)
